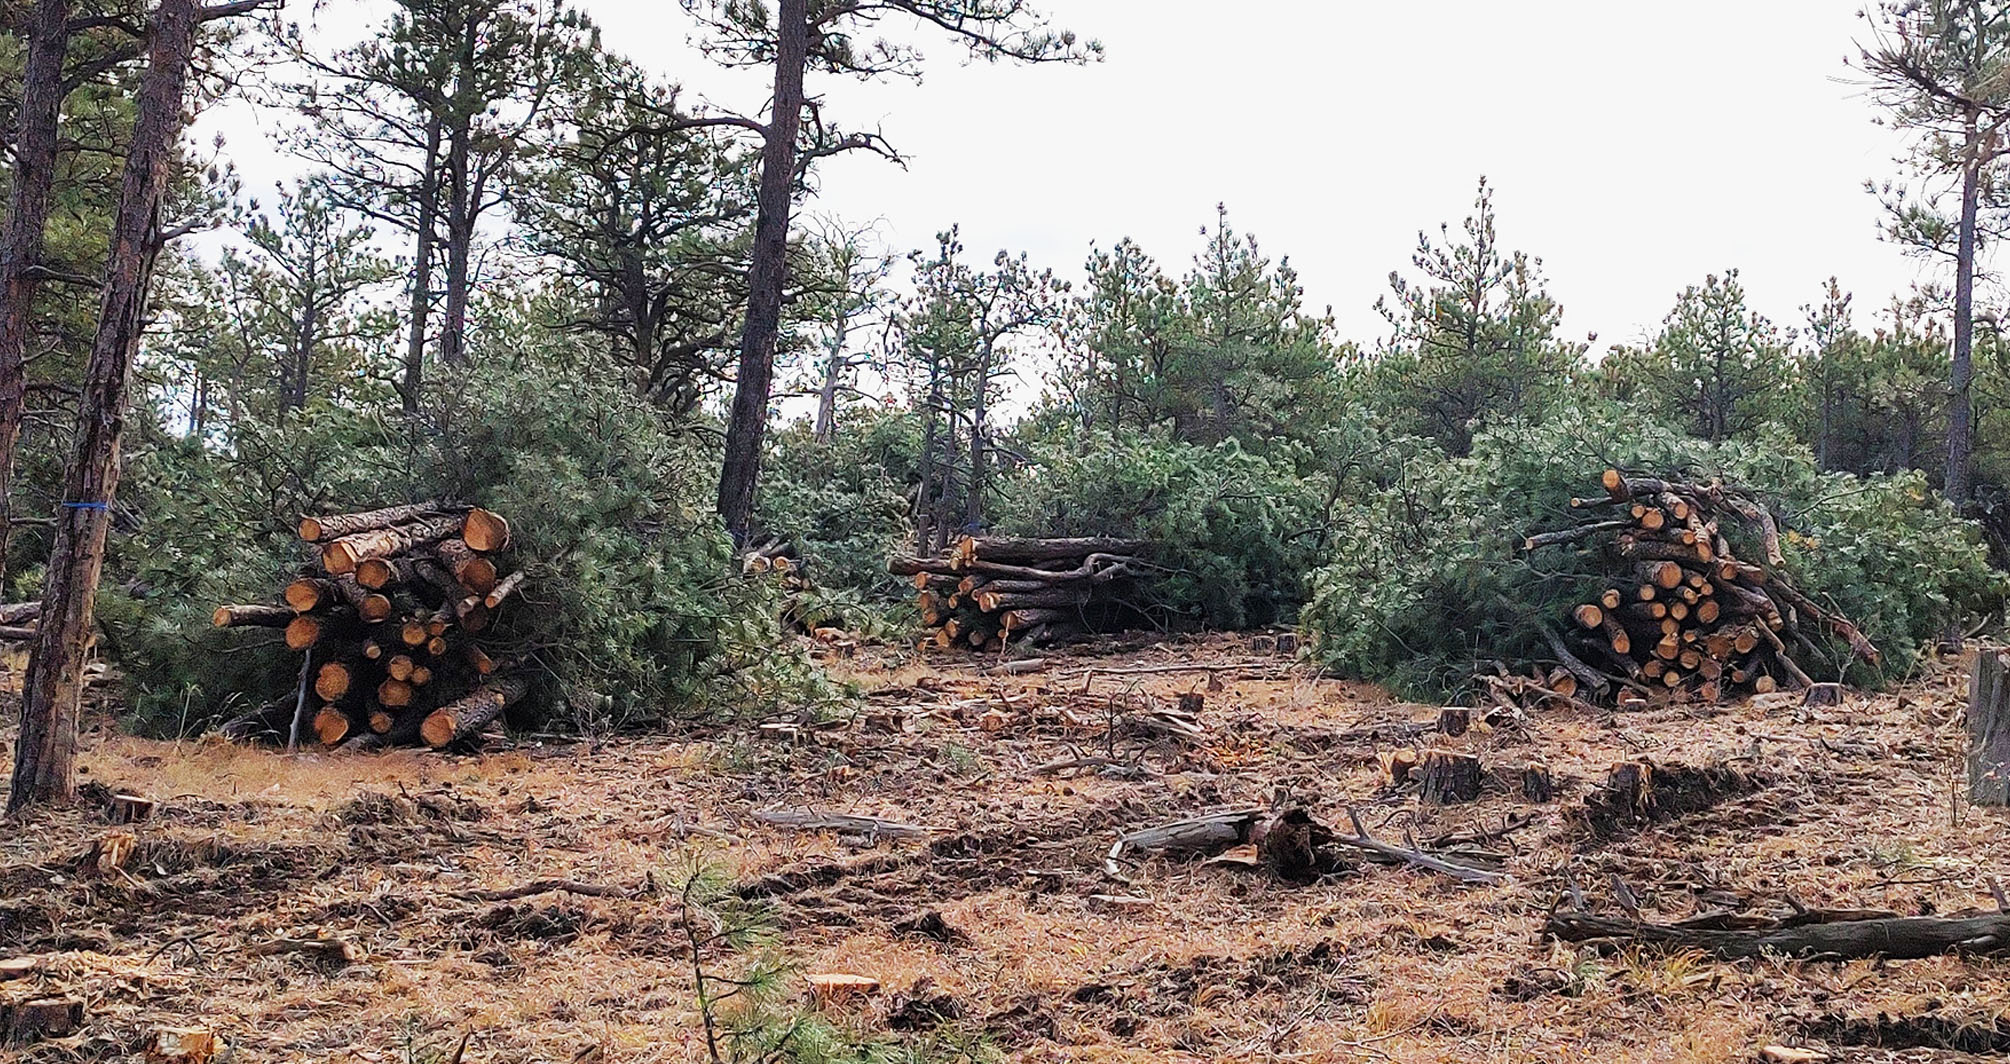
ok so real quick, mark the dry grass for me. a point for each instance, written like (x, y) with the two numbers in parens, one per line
(1858, 810)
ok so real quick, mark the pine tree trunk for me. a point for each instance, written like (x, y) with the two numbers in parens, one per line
(422, 271)
(765, 275)
(1989, 729)
(45, 754)
(460, 240)
(1960, 409)
(27, 216)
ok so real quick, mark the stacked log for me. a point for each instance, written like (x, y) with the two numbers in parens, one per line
(1682, 617)
(389, 615)
(18, 621)
(988, 592)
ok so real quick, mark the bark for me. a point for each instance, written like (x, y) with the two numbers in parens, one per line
(1447, 777)
(1961, 378)
(466, 717)
(44, 758)
(342, 555)
(1025, 551)
(765, 274)
(1989, 730)
(1814, 934)
(334, 526)
(472, 571)
(252, 616)
(973, 503)
(422, 271)
(34, 171)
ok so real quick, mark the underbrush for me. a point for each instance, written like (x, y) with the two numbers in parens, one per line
(1426, 583)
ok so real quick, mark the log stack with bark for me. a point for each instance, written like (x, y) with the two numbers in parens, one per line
(988, 592)
(389, 617)
(1681, 617)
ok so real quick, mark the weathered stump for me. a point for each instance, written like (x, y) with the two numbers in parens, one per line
(1455, 720)
(1447, 777)
(1823, 694)
(1989, 729)
(1537, 784)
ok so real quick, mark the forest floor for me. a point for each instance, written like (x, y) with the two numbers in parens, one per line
(1003, 911)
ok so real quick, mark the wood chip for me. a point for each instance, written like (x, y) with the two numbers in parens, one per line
(182, 1045)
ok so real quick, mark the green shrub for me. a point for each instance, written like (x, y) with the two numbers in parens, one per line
(1426, 585)
(845, 505)
(633, 611)
(1234, 532)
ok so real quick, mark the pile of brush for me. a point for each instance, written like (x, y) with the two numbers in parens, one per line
(1681, 616)
(389, 616)
(987, 592)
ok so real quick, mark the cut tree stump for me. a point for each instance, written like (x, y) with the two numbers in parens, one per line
(129, 809)
(1537, 784)
(1447, 777)
(1989, 729)
(1285, 843)
(1823, 694)
(1455, 720)
(29, 1021)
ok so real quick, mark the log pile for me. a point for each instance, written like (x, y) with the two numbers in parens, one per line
(390, 616)
(18, 621)
(989, 592)
(1681, 617)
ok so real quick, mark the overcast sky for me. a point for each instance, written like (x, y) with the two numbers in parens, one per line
(1634, 147)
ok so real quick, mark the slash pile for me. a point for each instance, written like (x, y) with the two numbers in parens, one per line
(987, 592)
(390, 616)
(1681, 616)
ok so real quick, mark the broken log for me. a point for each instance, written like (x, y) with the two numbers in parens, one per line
(251, 616)
(467, 716)
(331, 526)
(342, 555)
(1812, 934)
(472, 571)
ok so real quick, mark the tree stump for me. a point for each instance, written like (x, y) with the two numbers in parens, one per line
(1455, 720)
(28, 1021)
(1989, 729)
(1286, 846)
(1537, 784)
(1447, 777)
(1631, 788)
(1287, 644)
(1262, 644)
(1823, 694)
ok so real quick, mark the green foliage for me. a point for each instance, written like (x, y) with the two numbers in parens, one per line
(1475, 341)
(1427, 584)
(1226, 352)
(748, 1009)
(1718, 367)
(633, 612)
(845, 503)
(1235, 530)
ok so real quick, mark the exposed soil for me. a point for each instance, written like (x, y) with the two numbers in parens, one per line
(1000, 920)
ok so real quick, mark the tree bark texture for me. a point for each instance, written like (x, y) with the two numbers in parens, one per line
(766, 274)
(1989, 729)
(45, 755)
(422, 272)
(27, 218)
(1961, 378)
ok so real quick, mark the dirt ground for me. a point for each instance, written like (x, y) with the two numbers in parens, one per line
(1003, 910)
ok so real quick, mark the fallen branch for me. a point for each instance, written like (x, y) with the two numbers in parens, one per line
(549, 886)
(807, 820)
(1813, 934)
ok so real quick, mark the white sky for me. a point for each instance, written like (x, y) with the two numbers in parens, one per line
(1633, 147)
